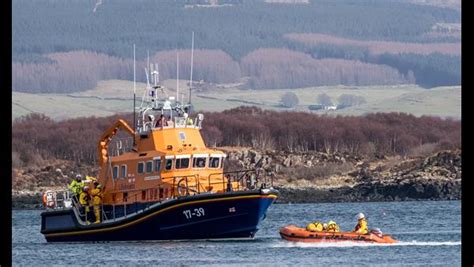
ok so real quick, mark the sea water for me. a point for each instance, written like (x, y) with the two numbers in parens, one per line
(429, 233)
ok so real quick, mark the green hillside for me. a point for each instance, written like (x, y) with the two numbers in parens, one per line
(116, 96)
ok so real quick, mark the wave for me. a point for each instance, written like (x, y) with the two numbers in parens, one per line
(428, 232)
(286, 244)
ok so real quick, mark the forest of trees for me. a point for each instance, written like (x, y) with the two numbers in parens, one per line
(428, 70)
(69, 72)
(36, 137)
(227, 38)
(283, 68)
(425, 68)
(41, 27)
(378, 47)
(267, 68)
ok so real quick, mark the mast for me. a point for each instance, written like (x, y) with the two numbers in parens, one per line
(191, 78)
(177, 76)
(134, 94)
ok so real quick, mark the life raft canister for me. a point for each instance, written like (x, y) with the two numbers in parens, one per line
(48, 199)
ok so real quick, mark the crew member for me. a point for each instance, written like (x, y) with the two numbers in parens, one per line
(332, 227)
(315, 227)
(161, 121)
(96, 194)
(76, 186)
(361, 226)
(170, 122)
(229, 183)
(188, 120)
(84, 201)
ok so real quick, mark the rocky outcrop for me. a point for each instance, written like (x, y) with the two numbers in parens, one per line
(436, 177)
(275, 160)
(432, 190)
(51, 174)
(29, 184)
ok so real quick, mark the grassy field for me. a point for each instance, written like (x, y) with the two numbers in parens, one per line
(116, 96)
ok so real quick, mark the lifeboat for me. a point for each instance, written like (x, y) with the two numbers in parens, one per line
(165, 185)
(297, 234)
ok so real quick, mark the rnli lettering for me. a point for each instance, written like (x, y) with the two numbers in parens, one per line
(198, 212)
(126, 186)
(232, 209)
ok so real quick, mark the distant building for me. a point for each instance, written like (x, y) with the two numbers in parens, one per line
(316, 107)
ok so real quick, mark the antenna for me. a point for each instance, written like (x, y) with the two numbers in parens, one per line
(155, 74)
(177, 76)
(191, 78)
(148, 59)
(157, 69)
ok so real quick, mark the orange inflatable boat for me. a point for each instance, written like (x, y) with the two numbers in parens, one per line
(297, 234)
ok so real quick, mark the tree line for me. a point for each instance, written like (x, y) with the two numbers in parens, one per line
(283, 68)
(54, 27)
(81, 70)
(267, 68)
(424, 68)
(36, 137)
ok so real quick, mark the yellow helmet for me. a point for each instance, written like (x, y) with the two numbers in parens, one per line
(331, 222)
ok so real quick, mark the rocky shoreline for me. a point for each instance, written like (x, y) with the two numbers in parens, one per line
(378, 192)
(410, 191)
(300, 177)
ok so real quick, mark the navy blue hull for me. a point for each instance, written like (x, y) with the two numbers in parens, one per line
(216, 216)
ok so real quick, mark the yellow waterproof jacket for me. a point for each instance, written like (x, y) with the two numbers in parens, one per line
(333, 227)
(315, 227)
(361, 227)
(84, 199)
(96, 196)
(76, 187)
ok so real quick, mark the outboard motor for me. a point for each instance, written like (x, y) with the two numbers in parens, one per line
(377, 232)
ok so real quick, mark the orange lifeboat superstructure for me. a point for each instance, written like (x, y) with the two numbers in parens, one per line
(166, 162)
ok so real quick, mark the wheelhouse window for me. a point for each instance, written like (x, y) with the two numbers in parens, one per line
(157, 163)
(182, 163)
(168, 164)
(149, 166)
(199, 162)
(115, 172)
(214, 162)
(123, 171)
(140, 167)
